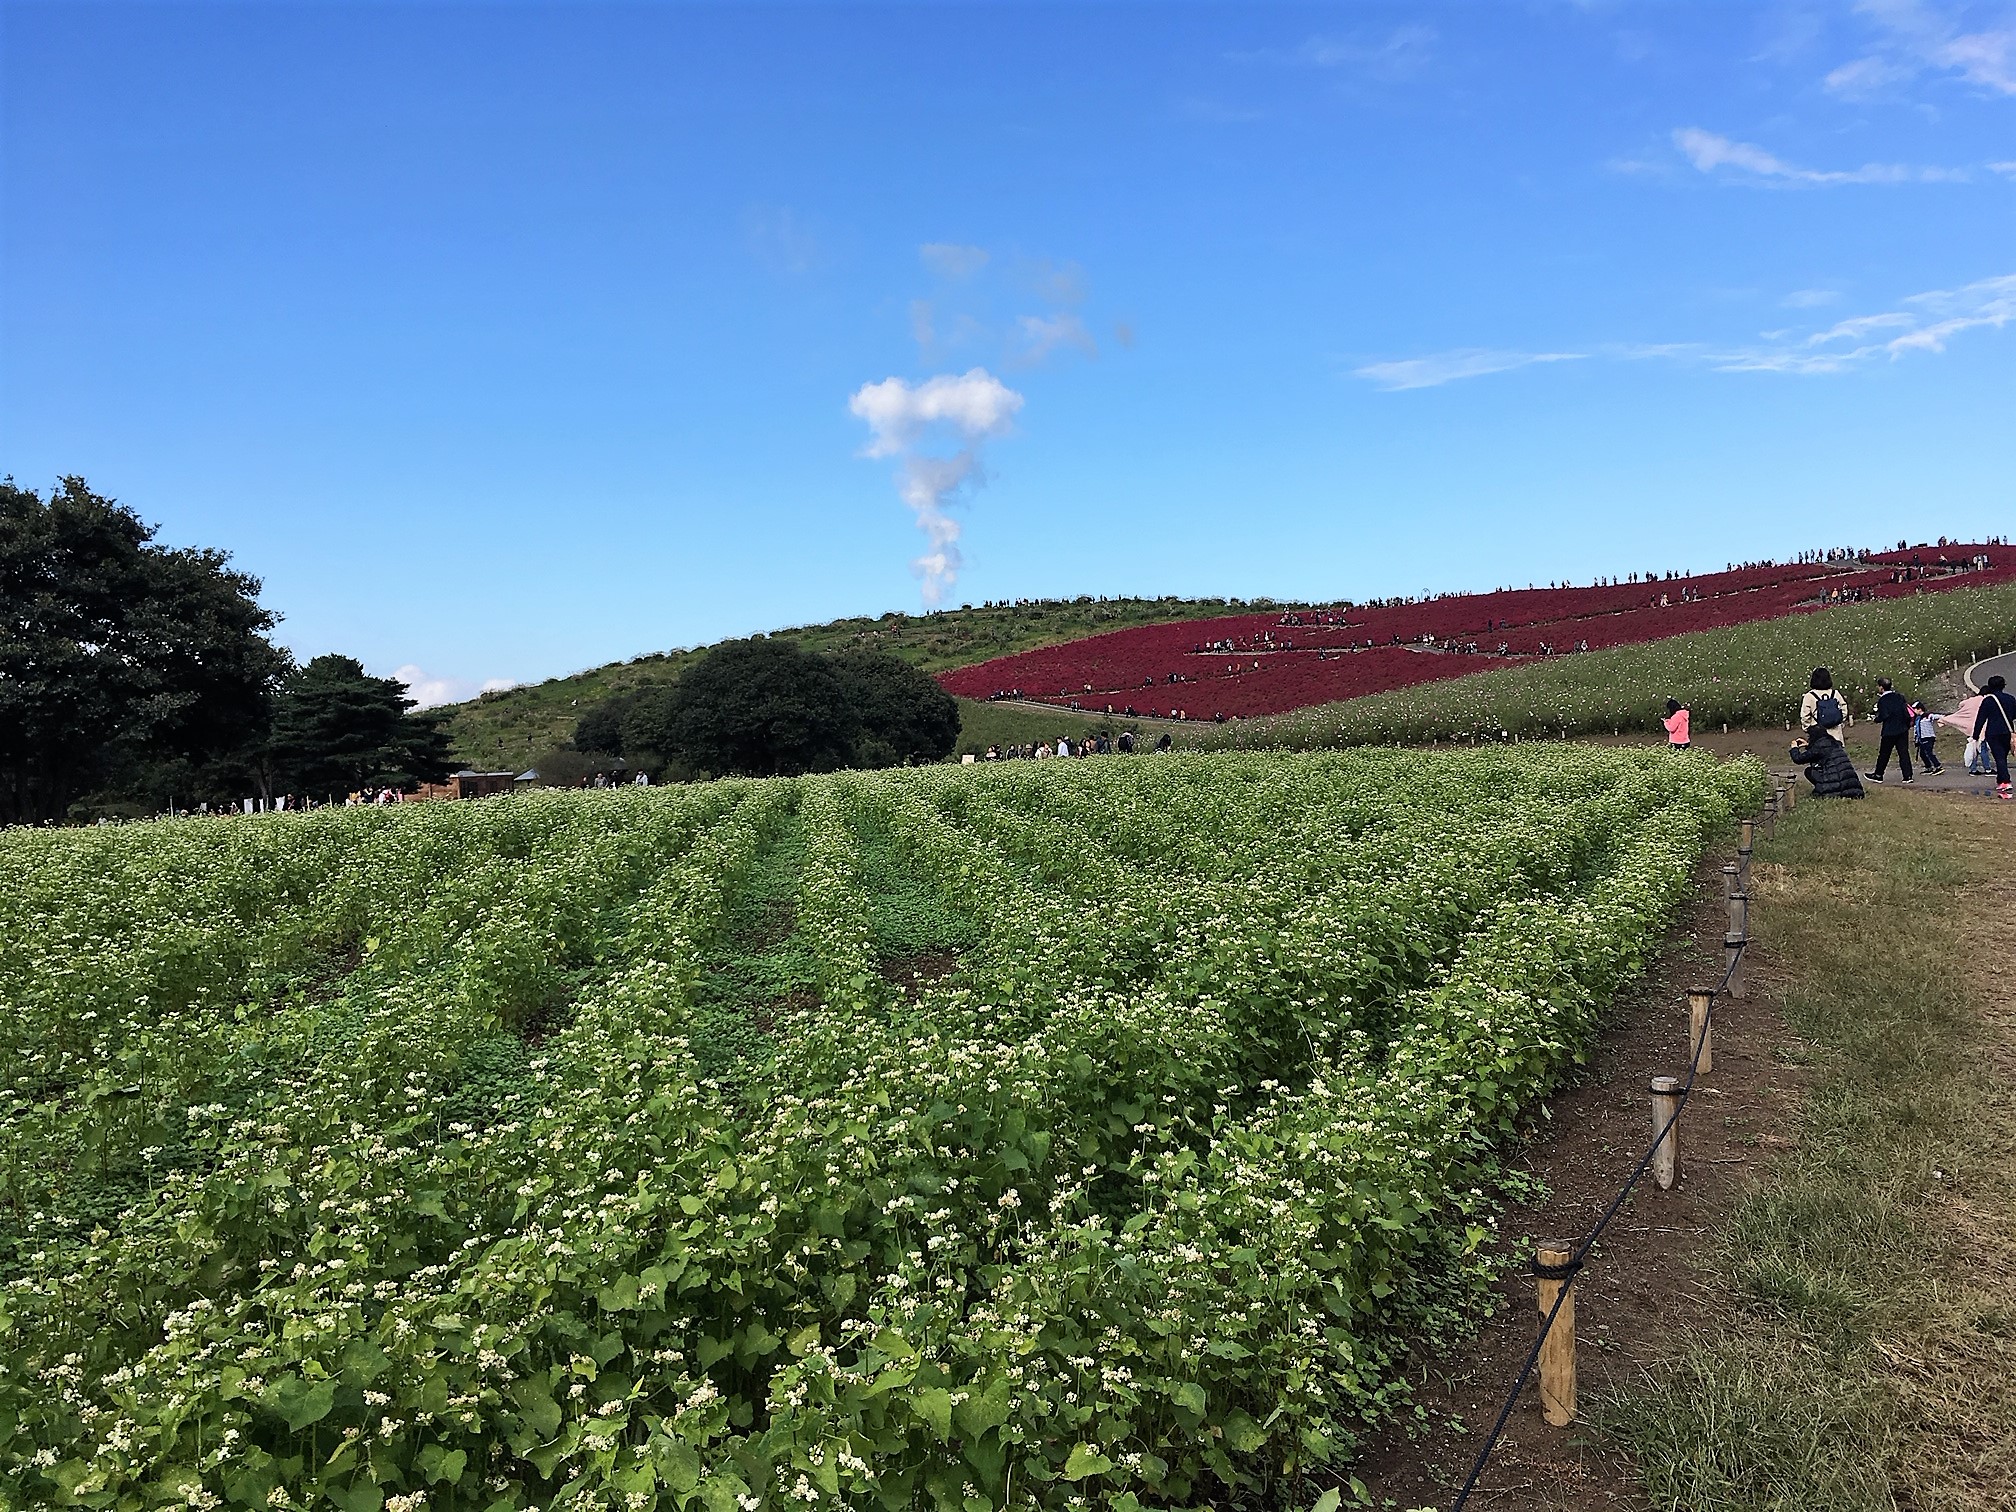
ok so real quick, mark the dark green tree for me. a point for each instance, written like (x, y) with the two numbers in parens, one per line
(900, 713)
(337, 729)
(758, 708)
(601, 727)
(117, 656)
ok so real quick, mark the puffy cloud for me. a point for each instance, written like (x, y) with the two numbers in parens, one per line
(975, 404)
(968, 409)
(429, 691)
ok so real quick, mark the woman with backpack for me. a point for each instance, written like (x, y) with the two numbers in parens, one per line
(1822, 708)
(1994, 724)
(1827, 763)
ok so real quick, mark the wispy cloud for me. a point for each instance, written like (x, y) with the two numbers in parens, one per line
(1807, 299)
(1915, 38)
(953, 260)
(1040, 335)
(1921, 323)
(779, 238)
(1711, 153)
(1446, 367)
(1924, 323)
(1400, 53)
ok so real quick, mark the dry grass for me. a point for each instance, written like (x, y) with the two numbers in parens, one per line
(1869, 1356)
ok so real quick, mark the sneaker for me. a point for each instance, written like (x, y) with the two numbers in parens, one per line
(1873, 776)
(2002, 791)
(1909, 780)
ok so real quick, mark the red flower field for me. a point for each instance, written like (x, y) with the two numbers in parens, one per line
(1270, 663)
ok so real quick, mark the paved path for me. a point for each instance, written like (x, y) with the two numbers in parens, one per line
(1981, 671)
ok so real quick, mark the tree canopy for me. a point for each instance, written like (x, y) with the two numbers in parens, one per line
(900, 713)
(117, 653)
(768, 707)
(336, 729)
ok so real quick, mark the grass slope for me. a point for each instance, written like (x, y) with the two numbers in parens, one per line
(1871, 1359)
(510, 728)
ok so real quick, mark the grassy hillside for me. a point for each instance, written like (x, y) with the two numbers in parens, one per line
(511, 728)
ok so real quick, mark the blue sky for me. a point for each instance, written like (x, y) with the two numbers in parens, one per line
(506, 340)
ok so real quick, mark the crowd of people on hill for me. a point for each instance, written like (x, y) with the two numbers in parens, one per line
(1105, 743)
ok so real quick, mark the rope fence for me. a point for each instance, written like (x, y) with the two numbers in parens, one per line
(1555, 1265)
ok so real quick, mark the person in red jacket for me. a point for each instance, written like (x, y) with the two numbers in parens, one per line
(1676, 725)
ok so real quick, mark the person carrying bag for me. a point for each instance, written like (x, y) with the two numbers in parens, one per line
(1994, 727)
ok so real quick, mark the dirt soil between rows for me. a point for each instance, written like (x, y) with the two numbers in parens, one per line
(1646, 1277)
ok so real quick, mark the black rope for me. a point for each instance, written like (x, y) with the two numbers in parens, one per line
(1567, 1269)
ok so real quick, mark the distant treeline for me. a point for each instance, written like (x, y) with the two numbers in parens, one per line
(134, 676)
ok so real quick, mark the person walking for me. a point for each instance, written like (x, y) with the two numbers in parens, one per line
(1994, 724)
(1676, 725)
(1893, 714)
(1926, 730)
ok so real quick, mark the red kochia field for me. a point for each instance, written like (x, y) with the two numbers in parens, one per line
(1270, 663)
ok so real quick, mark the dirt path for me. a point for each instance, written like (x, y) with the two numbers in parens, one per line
(1648, 1262)
(1866, 1362)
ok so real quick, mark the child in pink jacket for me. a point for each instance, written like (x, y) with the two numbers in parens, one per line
(1676, 725)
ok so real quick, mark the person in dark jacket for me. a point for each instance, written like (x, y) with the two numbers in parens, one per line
(1828, 765)
(1894, 715)
(1994, 723)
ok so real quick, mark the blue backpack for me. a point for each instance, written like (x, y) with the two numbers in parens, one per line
(1827, 711)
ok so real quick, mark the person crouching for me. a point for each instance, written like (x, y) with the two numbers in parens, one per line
(1828, 765)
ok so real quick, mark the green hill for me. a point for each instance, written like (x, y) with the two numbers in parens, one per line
(511, 729)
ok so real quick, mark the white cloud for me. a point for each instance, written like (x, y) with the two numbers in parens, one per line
(975, 404)
(429, 691)
(1446, 367)
(1709, 152)
(969, 408)
(1807, 299)
(1922, 323)
(1927, 323)
(1040, 335)
(2007, 170)
(1915, 38)
(952, 259)
(1400, 54)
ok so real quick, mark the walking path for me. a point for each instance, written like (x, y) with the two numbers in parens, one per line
(1981, 671)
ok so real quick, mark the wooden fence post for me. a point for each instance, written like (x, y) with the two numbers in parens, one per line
(1557, 1350)
(1666, 1154)
(1700, 1041)
(1745, 842)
